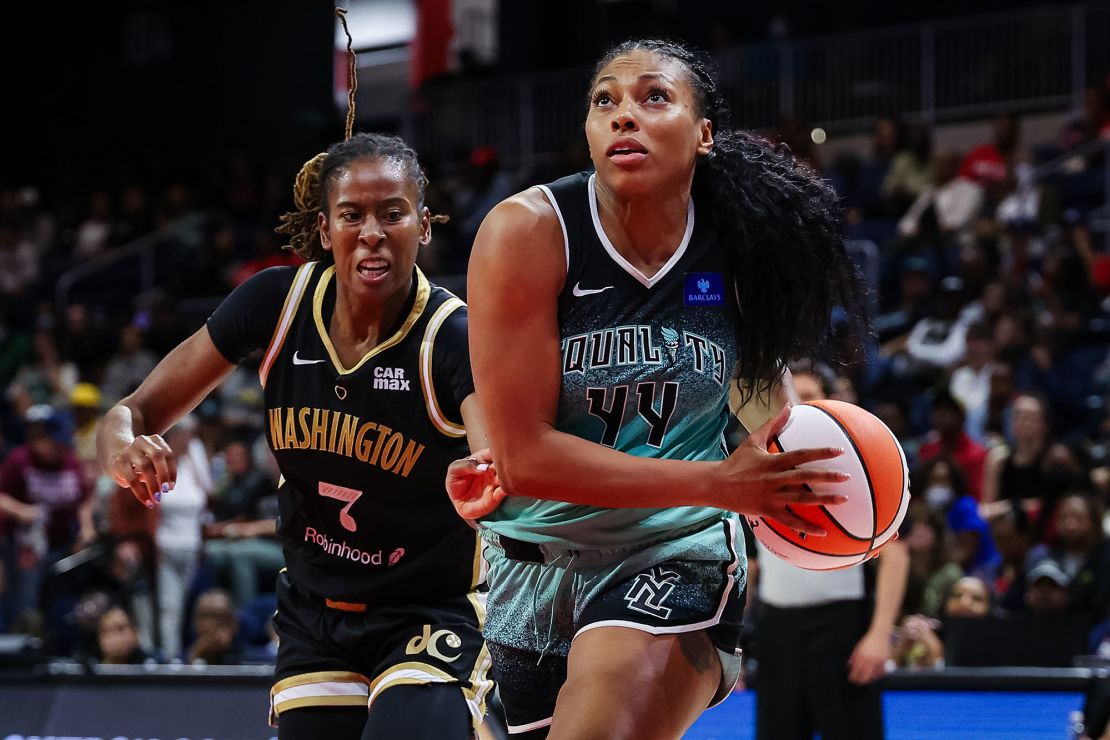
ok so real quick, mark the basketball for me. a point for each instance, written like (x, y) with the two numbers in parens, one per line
(878, 492)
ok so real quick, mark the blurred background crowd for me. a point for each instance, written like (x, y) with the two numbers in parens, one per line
(985, 248)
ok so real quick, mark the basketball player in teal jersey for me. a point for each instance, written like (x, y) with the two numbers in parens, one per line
(612, 314)
(368, 397)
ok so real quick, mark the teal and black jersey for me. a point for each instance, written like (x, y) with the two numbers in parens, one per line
(646, 368)
(363, 450)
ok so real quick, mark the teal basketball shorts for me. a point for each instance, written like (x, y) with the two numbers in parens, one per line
(542, 597)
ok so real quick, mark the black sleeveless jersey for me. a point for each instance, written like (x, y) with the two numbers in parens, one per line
(363, 450)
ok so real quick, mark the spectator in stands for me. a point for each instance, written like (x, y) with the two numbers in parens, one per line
(1082, 553)
(942, 216)
(178, 536)
(860, 180)
(915, 290)
(128, 367)
(42, 488)
(910, 169)
(987, 164)
(49, 379)
(939, 342)
(1046, 592)
(943, 487)
(94, 231)
(84, 342)
(84, 403)
(117, 638)
(932, 572)
(19, 263)
(485, 184)
(1020, 472)
(948, 437)
(1013, 537)
(241, 541)
(920, 642)
(970, 383)
(134, 218)
(217, 628)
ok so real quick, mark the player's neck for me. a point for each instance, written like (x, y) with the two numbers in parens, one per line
(645, 230)
(359, 325)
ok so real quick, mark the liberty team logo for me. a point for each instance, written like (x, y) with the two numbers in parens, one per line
(650, 590)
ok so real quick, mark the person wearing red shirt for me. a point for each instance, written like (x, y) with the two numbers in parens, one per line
(987, 164)
(948, 437)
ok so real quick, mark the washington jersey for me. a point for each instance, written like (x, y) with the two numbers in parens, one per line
(363, 450)
(646, 369)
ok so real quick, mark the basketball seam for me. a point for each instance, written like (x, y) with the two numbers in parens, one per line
(866, 474)
(766, 521)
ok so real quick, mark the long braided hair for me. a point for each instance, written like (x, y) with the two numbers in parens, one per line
(310, 188)
(781, 226)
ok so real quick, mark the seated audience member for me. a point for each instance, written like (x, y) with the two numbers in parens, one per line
(1082, 552)
(932, 572)
(1046, 592)
(117, 638)
(43, 491)
(943, 486)
(1013, 537)
(920, 641)
(217, 628)
(241, 541)
(948, 437)
(1019, 472)
(970, 383)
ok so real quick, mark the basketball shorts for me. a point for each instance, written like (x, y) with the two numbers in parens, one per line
(341, 654)
(542, 597)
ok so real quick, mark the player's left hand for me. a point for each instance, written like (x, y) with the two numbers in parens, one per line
(473, 486)
(868, 660)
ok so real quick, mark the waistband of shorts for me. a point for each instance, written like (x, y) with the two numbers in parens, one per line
(546, 553)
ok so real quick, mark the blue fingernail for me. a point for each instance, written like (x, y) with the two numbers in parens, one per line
(165, 488)
(157, 497)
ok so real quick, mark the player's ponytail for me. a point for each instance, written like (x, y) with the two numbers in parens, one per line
(310, 188)
(781, 227)
(780, 224)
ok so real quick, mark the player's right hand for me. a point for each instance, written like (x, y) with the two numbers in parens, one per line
(762, 483)
(147, 466)
(473, 486)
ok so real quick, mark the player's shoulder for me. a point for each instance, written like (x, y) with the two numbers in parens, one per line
(525, 224)
(273, 281)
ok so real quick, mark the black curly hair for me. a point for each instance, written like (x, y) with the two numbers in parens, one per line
(781, 225)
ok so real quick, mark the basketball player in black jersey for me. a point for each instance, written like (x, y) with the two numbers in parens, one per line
(368, 397)
(598, 304)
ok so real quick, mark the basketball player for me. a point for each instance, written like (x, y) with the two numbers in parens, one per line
(368, 397)
(613, 313)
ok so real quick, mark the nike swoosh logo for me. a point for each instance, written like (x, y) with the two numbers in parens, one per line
(298, 361)
(579, 292)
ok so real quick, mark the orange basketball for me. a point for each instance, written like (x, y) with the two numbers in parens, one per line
(878, 492)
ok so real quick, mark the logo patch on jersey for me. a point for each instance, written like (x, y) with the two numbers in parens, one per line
(390, 379)
(704, 289)
(579, 291)
(298, 360)
(649, 591)
(670, 342)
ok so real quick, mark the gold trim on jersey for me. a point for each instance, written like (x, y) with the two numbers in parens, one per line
(285, 319)
(480, 682)
(435, 413)
(408, 673)
(423, 291)
(328, 691)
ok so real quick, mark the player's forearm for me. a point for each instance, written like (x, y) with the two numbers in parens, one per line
(890, 587)
(557, 466)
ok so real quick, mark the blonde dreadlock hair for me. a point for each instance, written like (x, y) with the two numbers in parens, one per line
(310, 188)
